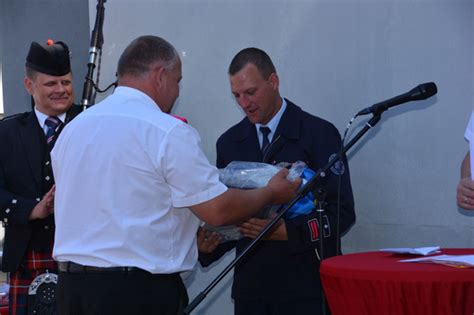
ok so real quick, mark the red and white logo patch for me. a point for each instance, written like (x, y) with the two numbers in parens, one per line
(314, 229)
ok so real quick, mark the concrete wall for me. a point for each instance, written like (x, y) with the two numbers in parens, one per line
(334, 58)
(24, 21)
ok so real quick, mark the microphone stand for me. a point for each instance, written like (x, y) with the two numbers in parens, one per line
(320, 194)
(97, 39)
(309, 186)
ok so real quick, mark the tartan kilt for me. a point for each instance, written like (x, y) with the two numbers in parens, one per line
(34, 264)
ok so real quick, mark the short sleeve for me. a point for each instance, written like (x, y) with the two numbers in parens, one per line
(469, 133)
(187, 171)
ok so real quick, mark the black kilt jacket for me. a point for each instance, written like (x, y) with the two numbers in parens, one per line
(25, 176)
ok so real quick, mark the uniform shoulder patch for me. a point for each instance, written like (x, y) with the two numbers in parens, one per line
(338, 168)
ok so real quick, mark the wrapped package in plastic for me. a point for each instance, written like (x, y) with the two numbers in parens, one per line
(250, 175)
(247, 175)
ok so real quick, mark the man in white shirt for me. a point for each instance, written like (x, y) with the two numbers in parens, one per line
(465, 190)
(132, 184)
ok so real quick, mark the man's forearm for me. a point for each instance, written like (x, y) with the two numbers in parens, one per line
(466, 166)
(233, 206)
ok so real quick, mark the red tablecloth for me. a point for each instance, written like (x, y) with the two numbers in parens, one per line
(376, 283)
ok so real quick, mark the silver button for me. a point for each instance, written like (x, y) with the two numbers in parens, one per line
(5, 220)
(14, 201)
(7, 210)
(47, 162)
(46, 227)
(47, 178)
(38, 199)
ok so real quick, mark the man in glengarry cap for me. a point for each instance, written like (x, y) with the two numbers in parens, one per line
(26, 176)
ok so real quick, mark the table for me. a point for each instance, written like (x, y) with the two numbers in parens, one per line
(376, 283)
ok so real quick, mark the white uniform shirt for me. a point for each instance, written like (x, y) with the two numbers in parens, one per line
(469, 135)
(125, 173)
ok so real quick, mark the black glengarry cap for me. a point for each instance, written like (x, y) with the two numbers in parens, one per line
(52, 58)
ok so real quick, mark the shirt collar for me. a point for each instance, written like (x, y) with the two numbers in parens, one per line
(273, 123)
(132, 92)
(42, 117)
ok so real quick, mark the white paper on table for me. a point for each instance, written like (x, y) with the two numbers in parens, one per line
(457, 260)
(414, 251)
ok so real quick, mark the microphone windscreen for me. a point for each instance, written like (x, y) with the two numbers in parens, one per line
(428, 89)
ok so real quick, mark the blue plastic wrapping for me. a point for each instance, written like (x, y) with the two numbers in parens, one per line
(306, 204)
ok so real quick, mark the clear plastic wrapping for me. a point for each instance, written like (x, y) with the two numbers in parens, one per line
(250, 175)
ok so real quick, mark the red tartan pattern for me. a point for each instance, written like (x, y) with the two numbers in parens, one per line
(35, 264)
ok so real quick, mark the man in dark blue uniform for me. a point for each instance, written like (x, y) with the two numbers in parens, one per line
(281, 276)
(26, 177)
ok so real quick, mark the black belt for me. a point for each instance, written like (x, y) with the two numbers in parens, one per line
(71, 267)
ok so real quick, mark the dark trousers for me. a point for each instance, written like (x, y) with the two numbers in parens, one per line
(120, 293)
(276, 307)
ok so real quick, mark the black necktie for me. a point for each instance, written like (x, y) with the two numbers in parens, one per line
(265, 143)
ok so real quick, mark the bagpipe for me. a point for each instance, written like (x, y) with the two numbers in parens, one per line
(91, 87)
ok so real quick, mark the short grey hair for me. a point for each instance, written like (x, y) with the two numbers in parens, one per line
(31, 73)
(143, 52)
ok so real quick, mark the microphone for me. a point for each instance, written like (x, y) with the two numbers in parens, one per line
(421, 92)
